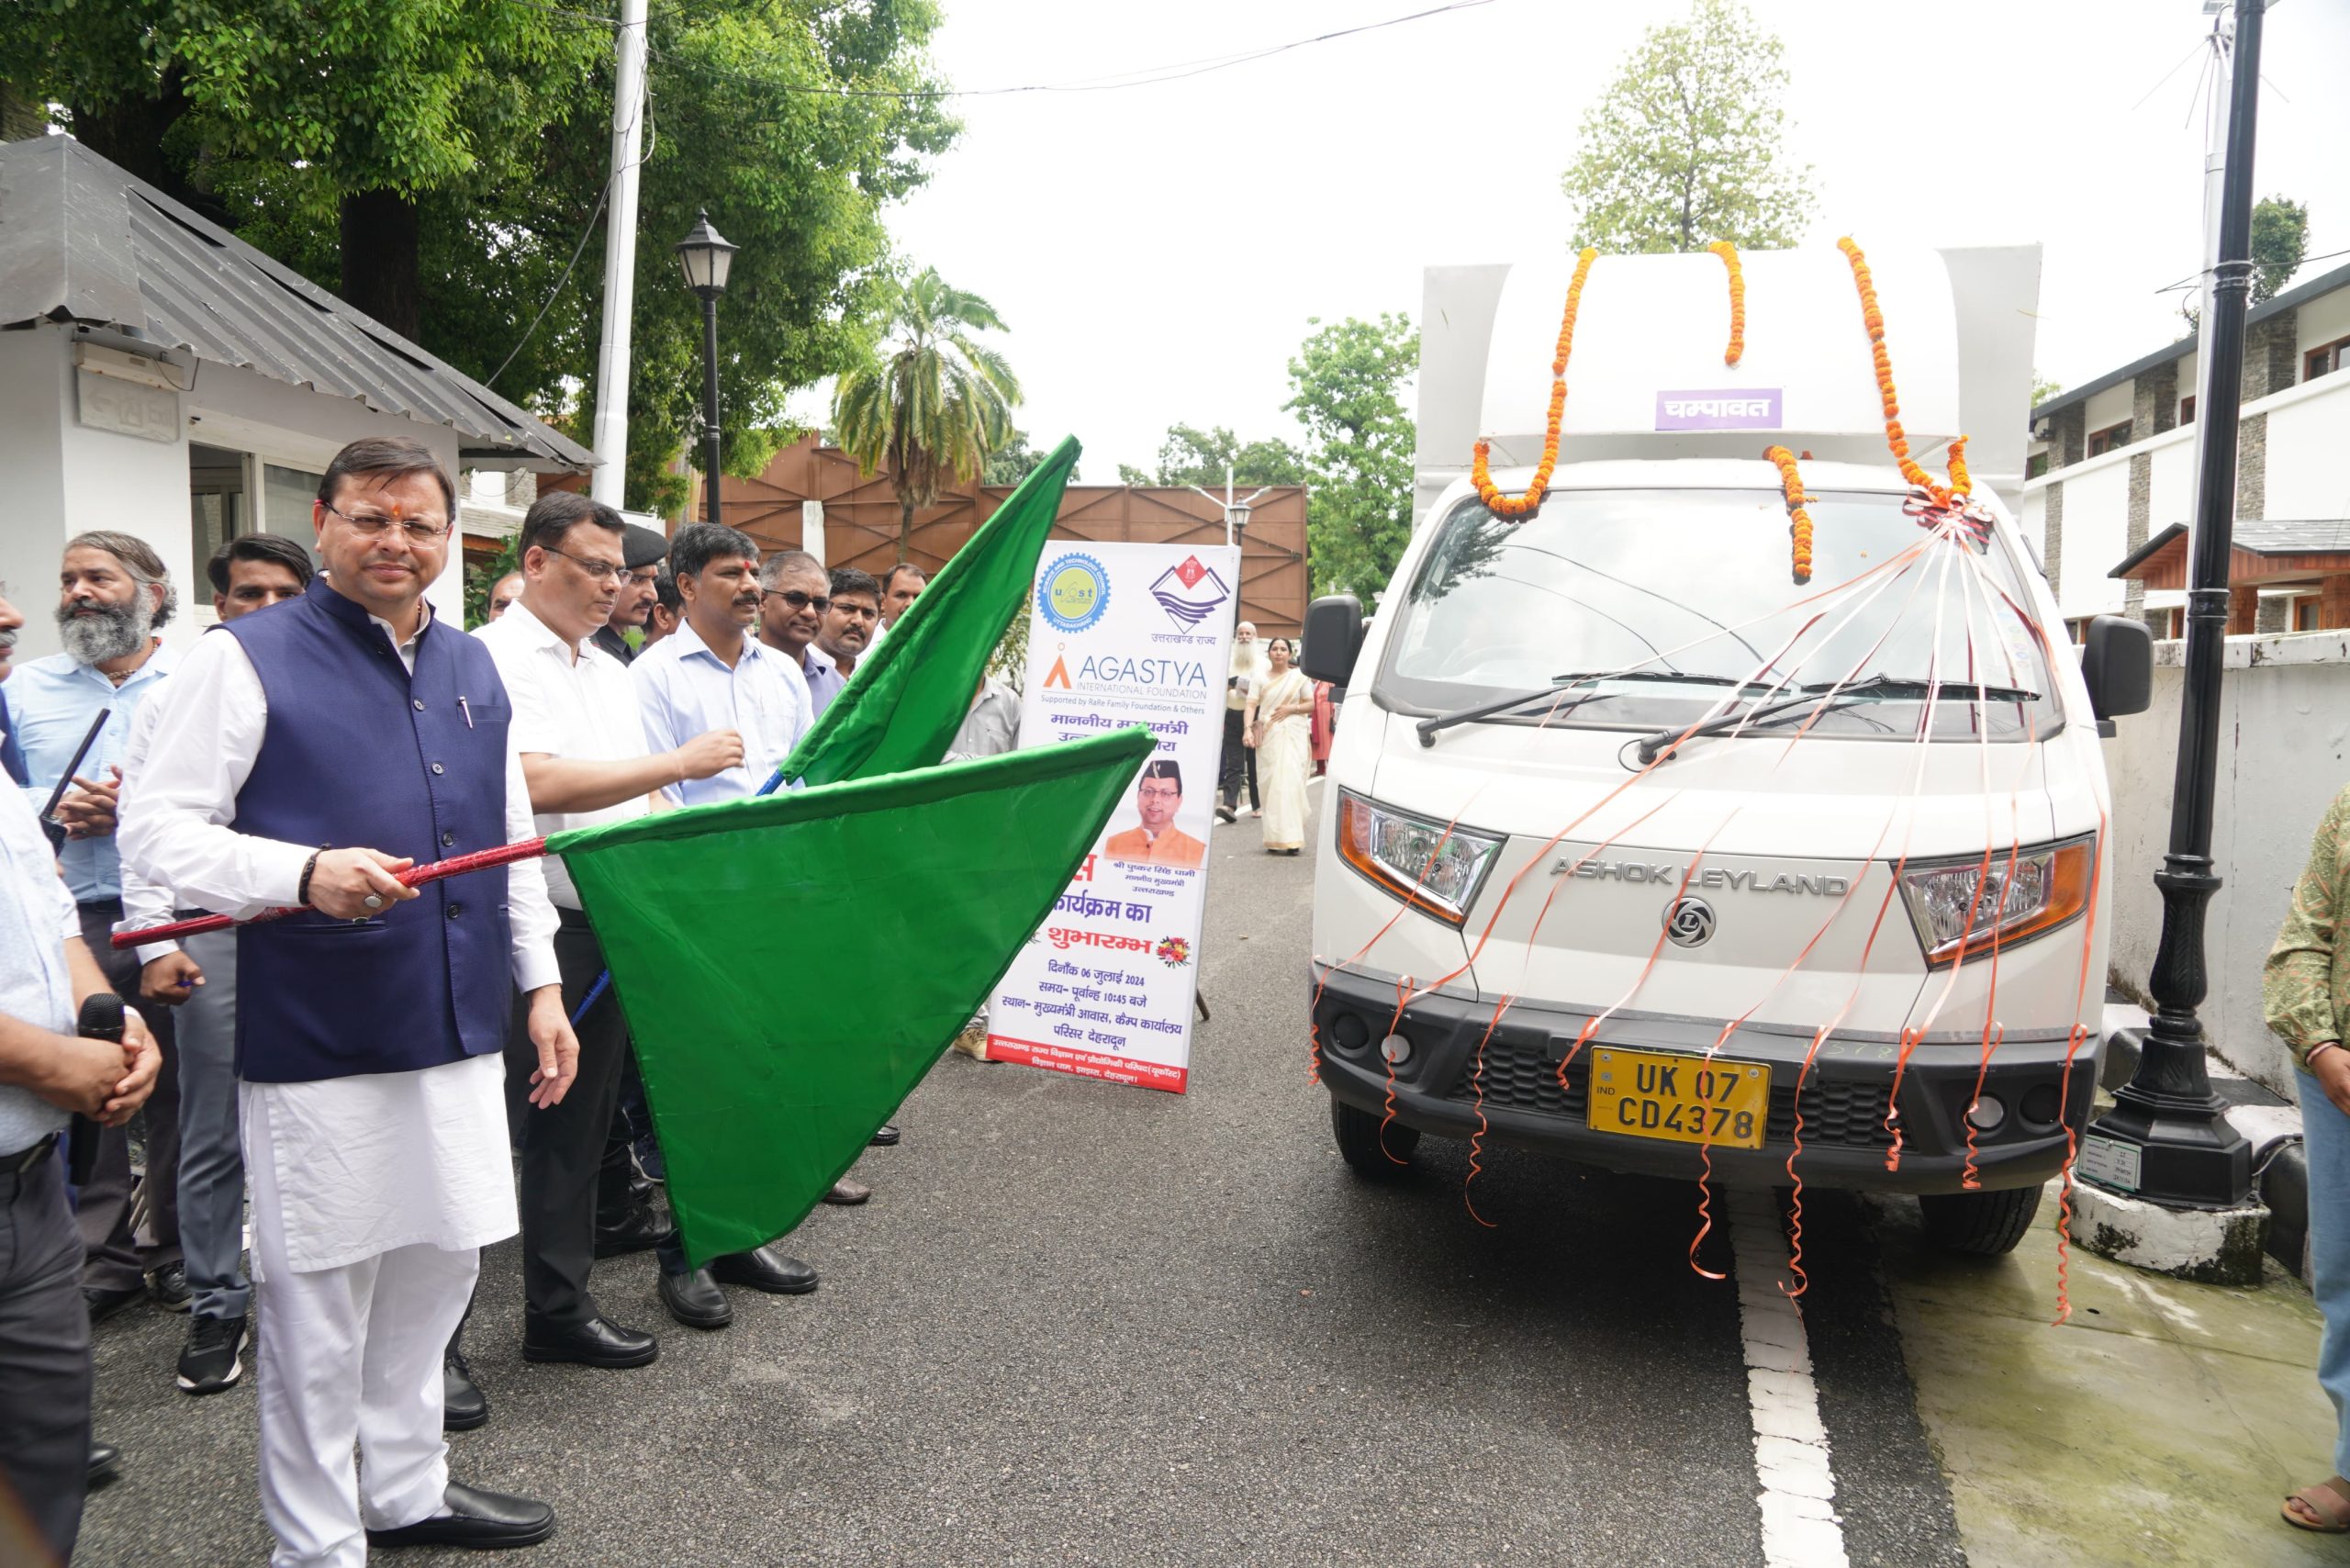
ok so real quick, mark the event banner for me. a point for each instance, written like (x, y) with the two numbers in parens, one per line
(1122, 634)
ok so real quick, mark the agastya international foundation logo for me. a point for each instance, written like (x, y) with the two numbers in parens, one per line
(1072, 593)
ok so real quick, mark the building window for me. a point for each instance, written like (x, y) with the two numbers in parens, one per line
(2187, 409)
(2112, 438)
(285, 498)
(2035, 466)
(2325, 359)
(221, 505)
(2305, 613)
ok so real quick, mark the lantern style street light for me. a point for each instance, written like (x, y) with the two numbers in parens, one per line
(707, 257)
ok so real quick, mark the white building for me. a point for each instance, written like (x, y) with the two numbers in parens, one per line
(161, 377)
(2113, 464)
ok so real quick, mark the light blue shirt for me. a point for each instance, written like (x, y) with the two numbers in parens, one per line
(37, 917)
(824, 679)
(53, 701)
(683, 690)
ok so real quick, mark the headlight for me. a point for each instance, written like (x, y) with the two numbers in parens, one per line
(1435, 867)
(1961, 907)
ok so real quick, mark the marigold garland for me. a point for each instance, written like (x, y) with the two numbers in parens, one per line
(1799, 523)
(1518, 505)
(1872, 317)
(1729, 253)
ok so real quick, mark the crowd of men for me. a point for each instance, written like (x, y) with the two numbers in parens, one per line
(395, 1076)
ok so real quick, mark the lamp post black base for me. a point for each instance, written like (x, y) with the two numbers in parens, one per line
(2179, 1152)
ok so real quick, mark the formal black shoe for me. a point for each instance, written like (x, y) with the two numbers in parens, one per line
(764, 1269)
(464, 1407)
(643, 1230)
(694, 1300)
(1226, 814)
(848, 1194)
(477, 1520)
(885, 1136)
(209, 1362)
(105, 1463)
(168, 1286)
(103, 1304)
(599, 1342)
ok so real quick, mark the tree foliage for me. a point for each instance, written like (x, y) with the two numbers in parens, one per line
(1191, 456)
(2281, 237)
(1346, 385)
(1685, 147)
(932, 402)
(440, 164)
(2043, 389)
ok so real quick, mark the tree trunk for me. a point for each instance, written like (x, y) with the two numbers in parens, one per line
(905, 526)
(131, 133)
(381, 234)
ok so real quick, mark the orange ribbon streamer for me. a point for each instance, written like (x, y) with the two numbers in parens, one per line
(1518, 505)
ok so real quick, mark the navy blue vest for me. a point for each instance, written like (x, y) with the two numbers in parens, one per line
(359, 752)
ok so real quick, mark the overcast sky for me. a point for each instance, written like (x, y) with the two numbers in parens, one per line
(1158, 251)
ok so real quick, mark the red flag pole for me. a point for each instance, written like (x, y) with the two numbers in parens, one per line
(414, 877)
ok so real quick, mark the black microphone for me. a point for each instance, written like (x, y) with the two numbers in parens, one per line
(101, 1019)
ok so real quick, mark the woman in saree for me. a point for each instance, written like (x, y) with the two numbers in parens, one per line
(1280, 729)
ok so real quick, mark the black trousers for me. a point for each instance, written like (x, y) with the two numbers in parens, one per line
(1238, 759)
(561, 1146)
(44, 1368)
(129, 1227)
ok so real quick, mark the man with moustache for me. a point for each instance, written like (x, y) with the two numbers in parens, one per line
(47, 1072)
(113, 597)
(371, 1028)
(197, 979)
(643, 551)
(901, 586)
(712, 675)
(847, 631)
(586, 762)
(794, 594)
(502, 595)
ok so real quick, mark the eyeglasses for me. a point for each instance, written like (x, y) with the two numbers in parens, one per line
(598, 571)
(374, 525)
(1148, 793)
(797, 599)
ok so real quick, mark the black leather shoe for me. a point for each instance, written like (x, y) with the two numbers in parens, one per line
(643, 1230)
(885, 1136)
(103, 1304)
(105, 1463)
(464, 1407)
(694, 1300)
(765, 1269)
(478, 1521)
(599, 1342)
(169, 1287)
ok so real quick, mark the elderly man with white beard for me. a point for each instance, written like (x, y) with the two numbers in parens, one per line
(113, 595)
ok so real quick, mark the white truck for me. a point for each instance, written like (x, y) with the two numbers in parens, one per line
(1636, 844)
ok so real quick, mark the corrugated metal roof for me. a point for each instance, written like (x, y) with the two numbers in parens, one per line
(81, 240)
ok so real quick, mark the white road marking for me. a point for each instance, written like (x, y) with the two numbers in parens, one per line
(1800, 1527)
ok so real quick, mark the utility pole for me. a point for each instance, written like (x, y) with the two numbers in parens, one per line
(1235, 512)
(610, 477)
(2168, 1140)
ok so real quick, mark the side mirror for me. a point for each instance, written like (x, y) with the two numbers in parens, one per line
(1333, 638)
(2118, 664)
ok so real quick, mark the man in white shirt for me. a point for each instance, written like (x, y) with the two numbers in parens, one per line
(710, 674)
(586, 762)
(371, 1026)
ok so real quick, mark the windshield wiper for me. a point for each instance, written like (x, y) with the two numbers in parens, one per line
(1429, 727)
(1876, 687)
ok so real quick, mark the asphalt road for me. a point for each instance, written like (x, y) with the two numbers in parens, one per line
(1087, 1323)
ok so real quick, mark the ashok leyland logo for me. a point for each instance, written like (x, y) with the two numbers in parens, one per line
(1073, 593)
(1188, 592)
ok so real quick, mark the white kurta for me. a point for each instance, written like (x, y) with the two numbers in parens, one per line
(367, 1163)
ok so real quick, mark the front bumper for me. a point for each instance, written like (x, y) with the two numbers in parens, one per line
(1440, 1090)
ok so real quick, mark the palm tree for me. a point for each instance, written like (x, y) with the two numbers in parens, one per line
(932, 403)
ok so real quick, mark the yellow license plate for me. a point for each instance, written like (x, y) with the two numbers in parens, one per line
(1683, 1099)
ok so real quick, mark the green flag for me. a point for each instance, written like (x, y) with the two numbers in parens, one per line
(909, 694)
(791, 965)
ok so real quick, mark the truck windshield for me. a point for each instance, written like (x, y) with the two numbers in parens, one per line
(1689, 594)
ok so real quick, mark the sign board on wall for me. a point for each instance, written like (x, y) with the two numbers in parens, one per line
(1122, 634)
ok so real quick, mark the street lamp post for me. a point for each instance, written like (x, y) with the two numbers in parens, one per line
(2167, 1139)
(707, 257)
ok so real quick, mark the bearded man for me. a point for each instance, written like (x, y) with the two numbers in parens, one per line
(113, 595)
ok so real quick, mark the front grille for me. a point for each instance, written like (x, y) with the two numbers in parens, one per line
(1835, 1110)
